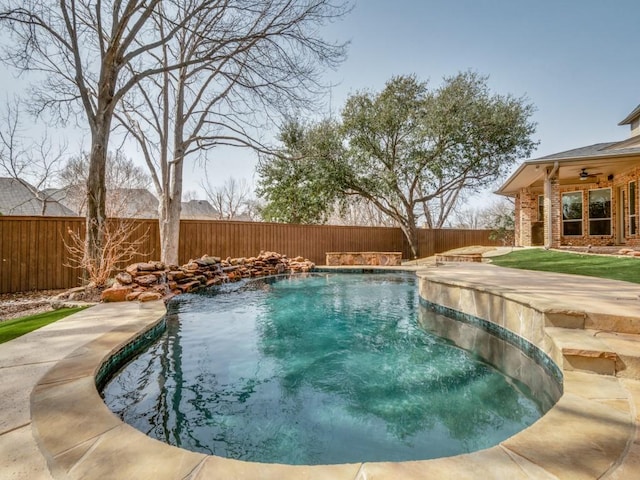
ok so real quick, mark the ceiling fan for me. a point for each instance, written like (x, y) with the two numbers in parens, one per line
(584, 175)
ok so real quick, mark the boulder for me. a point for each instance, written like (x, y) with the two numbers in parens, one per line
(146, 280)
(191, 267)
(117, 293)
(133, 296)
(149, 296)
(124, 278)
(148, 267)
(189, 287)
(175, 275)
(132, 269)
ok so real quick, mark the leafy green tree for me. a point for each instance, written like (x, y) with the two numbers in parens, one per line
(406, 148)
(303, 182)
(503, 228)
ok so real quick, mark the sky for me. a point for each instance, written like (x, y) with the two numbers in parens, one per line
(577, 61)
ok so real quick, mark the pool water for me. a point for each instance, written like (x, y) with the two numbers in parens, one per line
(322, 369)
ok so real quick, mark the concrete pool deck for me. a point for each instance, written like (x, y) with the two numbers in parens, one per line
(53, 423)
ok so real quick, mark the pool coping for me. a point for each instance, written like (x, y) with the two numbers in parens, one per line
(64, 399)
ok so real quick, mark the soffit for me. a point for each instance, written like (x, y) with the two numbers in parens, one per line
(531, 173)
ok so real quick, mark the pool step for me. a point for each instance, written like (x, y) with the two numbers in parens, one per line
(623, 321)
(595, 351)
(583, 351)
(565, 319)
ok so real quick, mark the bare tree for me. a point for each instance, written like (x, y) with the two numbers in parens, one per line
(437, 209)
(90, 55)
(123, 241)
(32, 163)
(483, 216)
(125, 183)
(253, 210)
(189, 195)
(358, 211)
(230, 199)
(264, 58)
(469, 217)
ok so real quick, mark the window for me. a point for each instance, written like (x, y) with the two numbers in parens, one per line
(600, 211)
(633, 209)
(572, 213)
(541, 208)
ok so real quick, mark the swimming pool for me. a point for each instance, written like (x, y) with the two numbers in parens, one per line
(326, 368)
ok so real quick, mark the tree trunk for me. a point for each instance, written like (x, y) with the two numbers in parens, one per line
(170, 209)
(172, 177)
(100, 125)
(411, 235)
(96, 196)
(169, 229)
(410, 231)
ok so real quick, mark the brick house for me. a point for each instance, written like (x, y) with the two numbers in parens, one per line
(585, 196)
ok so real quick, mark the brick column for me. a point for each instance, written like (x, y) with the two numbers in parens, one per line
(556, 215)
(527, 215)
(517, 240)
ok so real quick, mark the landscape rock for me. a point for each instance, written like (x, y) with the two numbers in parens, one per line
(149, 296)
(147, 281)
(133, 296)
(124, 278)
(117, 293)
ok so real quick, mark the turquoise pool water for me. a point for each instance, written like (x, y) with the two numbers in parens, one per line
(328, 368)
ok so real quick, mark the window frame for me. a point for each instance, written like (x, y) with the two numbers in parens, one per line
(540, 208)
(591, 219)
(573, 220)
(632, 200)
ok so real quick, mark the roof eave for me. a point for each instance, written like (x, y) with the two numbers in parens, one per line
(506, 191)
(631, 117)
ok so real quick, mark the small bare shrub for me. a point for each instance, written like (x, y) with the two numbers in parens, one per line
(121, 245)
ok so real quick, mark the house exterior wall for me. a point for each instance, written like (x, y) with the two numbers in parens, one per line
(529, 223)
(517, 228)
(635, 127)
(556, 213)
(527, 213)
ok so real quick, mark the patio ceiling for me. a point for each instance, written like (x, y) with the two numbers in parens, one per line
(531, 173)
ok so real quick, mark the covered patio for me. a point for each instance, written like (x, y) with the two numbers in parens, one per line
(580, 197)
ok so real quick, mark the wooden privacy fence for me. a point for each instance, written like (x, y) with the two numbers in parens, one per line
(33, 255)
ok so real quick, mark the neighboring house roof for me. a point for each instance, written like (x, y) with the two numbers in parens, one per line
(17, 198)
(631, 117)
(199, 210)
(121, 202)
(133, 203)
(72, 198)
(609, 158)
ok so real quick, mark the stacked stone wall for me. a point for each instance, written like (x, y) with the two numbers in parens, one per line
(154, 280)
(385, 259)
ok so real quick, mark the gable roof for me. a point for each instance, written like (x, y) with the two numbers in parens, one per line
(133, 202)
(608, 149)
(609, 158)
(631, 117)
(17, 198)
(199, 210)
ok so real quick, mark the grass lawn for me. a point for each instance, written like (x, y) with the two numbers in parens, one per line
(11, 329)
(603, 266)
